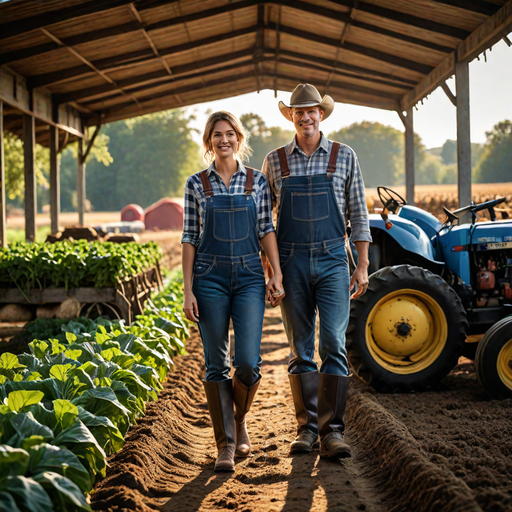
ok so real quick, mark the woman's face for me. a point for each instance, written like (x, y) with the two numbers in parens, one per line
(224, 141)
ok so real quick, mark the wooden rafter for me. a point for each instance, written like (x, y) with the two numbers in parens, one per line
(295, 4)
(487, 34)
(111, 82)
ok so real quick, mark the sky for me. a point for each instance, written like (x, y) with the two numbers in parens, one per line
(435, 121)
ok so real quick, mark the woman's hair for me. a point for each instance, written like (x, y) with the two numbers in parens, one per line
(243, 151)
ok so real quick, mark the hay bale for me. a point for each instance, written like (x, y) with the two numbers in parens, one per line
(69, 309)
(47, 311)
(15, 313)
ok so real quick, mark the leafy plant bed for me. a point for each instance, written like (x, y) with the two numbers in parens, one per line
(68, 403)
(94, 278)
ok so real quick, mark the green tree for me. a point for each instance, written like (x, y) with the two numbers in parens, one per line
(495, 164)
(380, 150)
(152, 157)
(263, 139)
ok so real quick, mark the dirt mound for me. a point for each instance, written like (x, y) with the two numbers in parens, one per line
(448, 450)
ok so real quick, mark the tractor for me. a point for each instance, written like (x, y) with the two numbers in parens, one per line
(433, 288)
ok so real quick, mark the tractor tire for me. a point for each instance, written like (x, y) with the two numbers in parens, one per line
(493, 362)
(407, 331)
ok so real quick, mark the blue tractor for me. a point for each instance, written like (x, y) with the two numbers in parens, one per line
(433, 286)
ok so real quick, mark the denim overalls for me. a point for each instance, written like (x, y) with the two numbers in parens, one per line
(311, 240)
(229, 282)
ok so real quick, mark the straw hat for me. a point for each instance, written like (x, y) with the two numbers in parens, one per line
(307, 95)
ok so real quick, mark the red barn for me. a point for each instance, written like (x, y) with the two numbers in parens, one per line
(132, 212)
(164, 214)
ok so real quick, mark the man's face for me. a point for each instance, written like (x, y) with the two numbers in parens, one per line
(307, 120)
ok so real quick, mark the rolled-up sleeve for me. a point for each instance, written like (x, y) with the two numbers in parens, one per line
(191, 215)
(264, 207)
(357, 211)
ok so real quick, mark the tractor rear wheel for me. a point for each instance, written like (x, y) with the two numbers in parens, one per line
(493, 361)
(407, 331)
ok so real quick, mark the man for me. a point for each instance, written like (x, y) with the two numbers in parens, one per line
(317, 186)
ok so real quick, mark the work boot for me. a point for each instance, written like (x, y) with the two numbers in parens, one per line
(305, 395)
(243, 397)
(220, 404)
(332, 395)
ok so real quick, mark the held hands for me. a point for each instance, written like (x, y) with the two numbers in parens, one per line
(190, 307)
(275, 291)
(360, 276)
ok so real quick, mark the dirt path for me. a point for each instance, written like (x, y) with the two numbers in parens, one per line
(448, 450)
(167, 463)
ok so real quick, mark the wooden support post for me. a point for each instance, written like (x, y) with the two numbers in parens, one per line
(54, 179)
(463, 134)
(29, 150)
(3, 221)
(409, 158)
(80, 183)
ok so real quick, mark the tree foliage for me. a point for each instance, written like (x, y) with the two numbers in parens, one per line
(495, 164)
(263, 139)
(380, 150)
(152, 156)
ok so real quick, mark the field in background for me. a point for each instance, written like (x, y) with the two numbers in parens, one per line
(433, 197)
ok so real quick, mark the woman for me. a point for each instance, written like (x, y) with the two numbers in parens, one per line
(228, 214)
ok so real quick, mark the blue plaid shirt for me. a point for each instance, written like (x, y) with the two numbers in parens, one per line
(347, 181)
(194, 215)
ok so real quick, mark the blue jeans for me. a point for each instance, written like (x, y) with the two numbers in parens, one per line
(316, 278)
(230, 287)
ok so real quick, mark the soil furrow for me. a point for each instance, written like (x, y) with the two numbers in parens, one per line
(446, 451)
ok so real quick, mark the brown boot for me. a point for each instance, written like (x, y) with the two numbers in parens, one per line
(305, 394)
(332, 395)
(243, 397)
(220, 404)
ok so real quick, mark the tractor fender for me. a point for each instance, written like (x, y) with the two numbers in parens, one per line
(415, 242)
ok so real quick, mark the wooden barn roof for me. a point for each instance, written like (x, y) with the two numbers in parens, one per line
(115, 59)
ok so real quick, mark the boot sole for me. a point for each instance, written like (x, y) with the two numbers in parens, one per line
(338, 454)
(227, 468)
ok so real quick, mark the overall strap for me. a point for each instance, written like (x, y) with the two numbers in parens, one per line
(207, 186)
(283, 163)
(248, 181)
(331, 166)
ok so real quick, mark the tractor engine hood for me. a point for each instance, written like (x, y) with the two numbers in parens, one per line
(411, 237)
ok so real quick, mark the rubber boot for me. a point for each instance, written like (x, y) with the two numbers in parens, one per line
(220, 404)
(332, 395)
(305, 394)
(243, 397)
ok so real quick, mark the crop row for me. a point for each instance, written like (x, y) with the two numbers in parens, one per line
(68, 404)
(73, 264)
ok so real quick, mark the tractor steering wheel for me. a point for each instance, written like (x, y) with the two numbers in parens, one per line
(390, 199)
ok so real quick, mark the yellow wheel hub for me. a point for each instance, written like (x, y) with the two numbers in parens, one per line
(504, 364)
(406, 331)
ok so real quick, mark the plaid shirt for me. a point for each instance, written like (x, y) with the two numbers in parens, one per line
(347, 181)
(194, 215)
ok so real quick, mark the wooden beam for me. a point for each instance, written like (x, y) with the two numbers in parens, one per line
(449, 93)
(409, 157)
(296, 4)
(156, 76)
(128, 59)
(91, 142)
(340, 65)
(29, 150)
(356, 48)
(480, 6)
(483, 37)
(54, 179)
(3, 217)
(23, 25)
(487, 34)
(80, 184)
(463, 134)
(408, 19)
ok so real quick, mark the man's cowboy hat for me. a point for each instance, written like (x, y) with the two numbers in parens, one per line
(306, 95)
